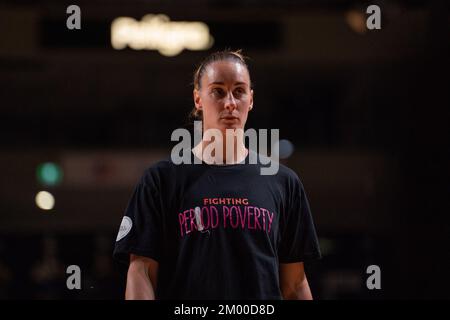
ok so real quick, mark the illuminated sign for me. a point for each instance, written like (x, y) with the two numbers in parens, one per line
(157, 32)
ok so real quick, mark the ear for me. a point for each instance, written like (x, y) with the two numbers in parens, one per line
(251, 100)
(197, 99)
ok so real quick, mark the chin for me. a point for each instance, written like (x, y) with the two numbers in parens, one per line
(230, 126)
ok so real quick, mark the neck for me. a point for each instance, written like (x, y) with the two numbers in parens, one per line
(224, 150)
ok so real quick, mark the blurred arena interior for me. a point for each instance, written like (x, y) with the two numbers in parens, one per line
(364, 112)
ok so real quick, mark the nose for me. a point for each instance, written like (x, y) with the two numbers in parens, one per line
(230, 103)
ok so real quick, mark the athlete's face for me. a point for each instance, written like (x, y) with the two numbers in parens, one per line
(224, 96)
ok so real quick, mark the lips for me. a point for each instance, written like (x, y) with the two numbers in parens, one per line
(229, 118)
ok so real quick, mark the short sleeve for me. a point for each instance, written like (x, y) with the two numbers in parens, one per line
(139, 231)
(299, 240)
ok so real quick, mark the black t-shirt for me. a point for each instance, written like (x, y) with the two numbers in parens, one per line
(218, 231)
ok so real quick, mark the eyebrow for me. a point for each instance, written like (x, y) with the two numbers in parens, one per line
(222, 83)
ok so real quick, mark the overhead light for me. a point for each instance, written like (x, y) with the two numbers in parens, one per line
(285, 147)
(45, 200)
(356, 21)
(49, 174)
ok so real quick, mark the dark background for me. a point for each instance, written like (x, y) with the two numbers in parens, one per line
(367, 112)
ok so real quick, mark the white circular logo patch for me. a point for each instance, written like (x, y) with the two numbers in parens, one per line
(125, 228)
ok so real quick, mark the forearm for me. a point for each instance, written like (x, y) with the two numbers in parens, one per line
(298, 292)
(139, 286)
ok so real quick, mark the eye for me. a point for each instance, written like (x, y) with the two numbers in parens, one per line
(217, 91)
(239, 91)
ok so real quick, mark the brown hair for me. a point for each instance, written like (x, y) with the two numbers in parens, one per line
(226, 54)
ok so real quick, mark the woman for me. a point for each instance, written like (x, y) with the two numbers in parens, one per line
(218, 229)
